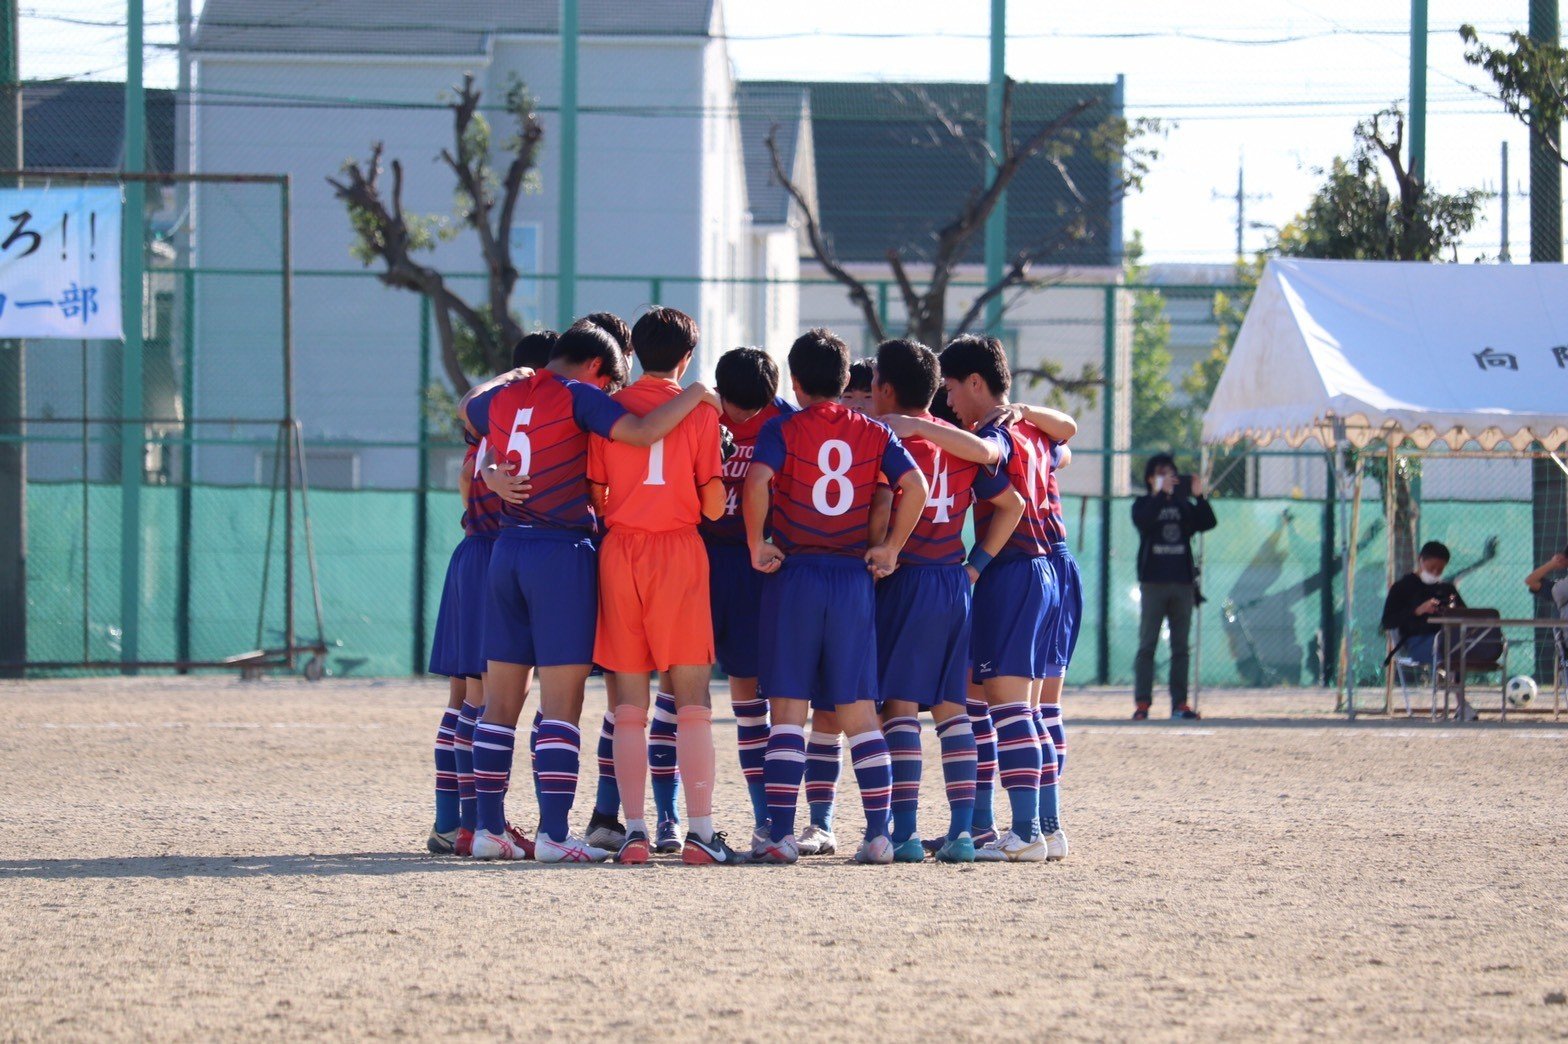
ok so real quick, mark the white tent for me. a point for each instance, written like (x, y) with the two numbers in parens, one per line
(1351, 352)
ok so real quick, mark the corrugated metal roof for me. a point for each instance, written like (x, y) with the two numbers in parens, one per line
(764, 106)
(81, 126)
(426, 26)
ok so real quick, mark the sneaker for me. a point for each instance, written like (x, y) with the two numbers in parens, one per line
(1011, 848)
(760, 839)
(496, 846)
(984, 837)
(714, 852)
(1142, 713)
(667, 837)
(1185, 713)
(571, 850)
(959, 850)
(521, 840)
(933, 845)
(878, 850)
(909, 851)
(605, 831)
(815, 840)
(464, 844)
(778, 852)
(442, 844)
(1055, 846)
(634, 850)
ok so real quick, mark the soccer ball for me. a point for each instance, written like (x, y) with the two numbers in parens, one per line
(1521, 690)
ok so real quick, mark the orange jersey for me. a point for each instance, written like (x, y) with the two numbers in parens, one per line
(655, 489)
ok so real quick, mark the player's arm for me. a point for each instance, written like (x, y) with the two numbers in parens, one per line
(756, 498)
(1063, 456)
(653, 426)
(959, 443)
(514, 489)
(1058, 426)
(881, 513)
(711, 496)
(519, 374)
(1009, 504)
(709, 466)
(883, 558)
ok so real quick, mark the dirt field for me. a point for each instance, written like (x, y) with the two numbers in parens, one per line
(201, 858)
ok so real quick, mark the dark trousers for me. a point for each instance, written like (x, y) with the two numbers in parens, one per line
(1161, 602)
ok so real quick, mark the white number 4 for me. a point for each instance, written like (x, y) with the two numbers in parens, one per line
(939, 497)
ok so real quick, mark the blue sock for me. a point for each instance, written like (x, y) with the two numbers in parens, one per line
(1050, 809)
(463, 756)
(782, 768)
(607, 799)
(492, 771)
(985, 765)
(751, 735)
(957, 737)
(533, 755)
(1018, 764)
(1057, 727)
(903, 746)
(874, 772)
(661, 760)
(446, 773)
(824, 755)
(558, 756)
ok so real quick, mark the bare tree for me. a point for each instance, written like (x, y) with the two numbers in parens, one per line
(474, 337)
(925, 307)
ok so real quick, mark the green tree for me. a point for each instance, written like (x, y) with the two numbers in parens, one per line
(1159, 419)
(1531, 79)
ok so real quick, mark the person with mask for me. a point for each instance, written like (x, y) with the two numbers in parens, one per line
(1416, 599)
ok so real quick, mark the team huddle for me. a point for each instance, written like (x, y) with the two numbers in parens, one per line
(815, 553)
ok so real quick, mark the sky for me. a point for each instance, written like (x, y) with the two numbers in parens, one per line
(1275, 85)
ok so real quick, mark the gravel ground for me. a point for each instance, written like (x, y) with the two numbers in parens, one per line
(196, 858)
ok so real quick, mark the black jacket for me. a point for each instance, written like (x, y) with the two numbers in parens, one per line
(1410, 591)
(1166, 526)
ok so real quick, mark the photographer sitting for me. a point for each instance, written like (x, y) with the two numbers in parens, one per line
(1416, 598)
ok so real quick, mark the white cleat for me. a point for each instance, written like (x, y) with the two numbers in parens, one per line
(1010, 848)
(572, 850)
(1055, 846)
(760, 839)
(814, 840)
(496, 846)
(877, 850)
(780, 853)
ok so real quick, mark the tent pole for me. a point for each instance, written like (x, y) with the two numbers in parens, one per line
(1389, 505)
(1347, 629)
(1197, 610)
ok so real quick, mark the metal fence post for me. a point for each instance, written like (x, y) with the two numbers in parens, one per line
(1107, 474)
(182, 612)
(421, 509)
(133, 267)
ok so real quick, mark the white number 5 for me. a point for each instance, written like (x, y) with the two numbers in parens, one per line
(518, 445)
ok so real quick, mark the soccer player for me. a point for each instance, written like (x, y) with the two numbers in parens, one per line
(748, 386)
(857, 393)
(543, 573)
(923, 609)
(818, 469)
(653, 584)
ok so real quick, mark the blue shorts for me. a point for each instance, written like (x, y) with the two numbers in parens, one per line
(544, 597)
(818, 636)
(457, 649)
(923, 634)
(1062, 624)
(735, 592)
(1008, 637)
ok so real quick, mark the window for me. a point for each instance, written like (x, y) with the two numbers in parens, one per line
(527, 295)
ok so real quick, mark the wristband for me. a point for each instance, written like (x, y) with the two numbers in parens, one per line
(979, 558)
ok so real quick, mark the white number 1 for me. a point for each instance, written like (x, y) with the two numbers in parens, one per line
(655, 465)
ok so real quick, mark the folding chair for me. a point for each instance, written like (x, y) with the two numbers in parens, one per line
(1406, 667)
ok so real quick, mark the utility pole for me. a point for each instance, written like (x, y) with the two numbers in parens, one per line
(1504, 257)
(996, 224)
(132, 263)
(566, 233)
(1241, 199)
(13, 390)
(1418, 23)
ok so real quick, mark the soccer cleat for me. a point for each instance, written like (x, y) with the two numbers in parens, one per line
(760, 839)
(909, 851)
(710, 853)
(605, 831)
(1142, 713)
(878, 850)
(815, 840)
(777, 852)
(984, 837)
(634, 850)
(441, 844)
(1055, 846)
(1011, 848)
(933, 845)
(959, 850)
(571, 850)
(1185, 713)
(667, 837)
(496, 846)
(521, 840)
(464, 843)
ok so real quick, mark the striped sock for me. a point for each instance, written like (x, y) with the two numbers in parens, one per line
(558, 755)
(1050, 809)
(463, 756)
(533, 755)
(492, 770)
(874, 772)
(957, 737)
(446, 773)
(985, 765)
(607, 798)
(662, 762)
(1056, 725)
(751, 735)
(824, 754)
(1018, 764)
(903, 745)
(782, 768)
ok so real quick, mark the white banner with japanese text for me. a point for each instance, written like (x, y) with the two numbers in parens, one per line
(60, 263)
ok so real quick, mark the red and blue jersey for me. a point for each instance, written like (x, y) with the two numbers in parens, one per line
(539, 426)
(730, 527)
(1027, 453)
(481, 508)
(1053, 494)
(826, 461)
(938, 537)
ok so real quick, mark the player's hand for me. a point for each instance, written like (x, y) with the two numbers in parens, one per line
(974, 574)
(1006, 415)
(1428, 607)
(726, 443)
(1197, 485)
(899, 424)
(514, 489)
(881, 561)
(767, 558)
(709, 396)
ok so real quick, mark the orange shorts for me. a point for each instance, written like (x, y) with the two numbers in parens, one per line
(653, 601)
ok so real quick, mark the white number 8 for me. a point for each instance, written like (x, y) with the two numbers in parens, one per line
(834, 461)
